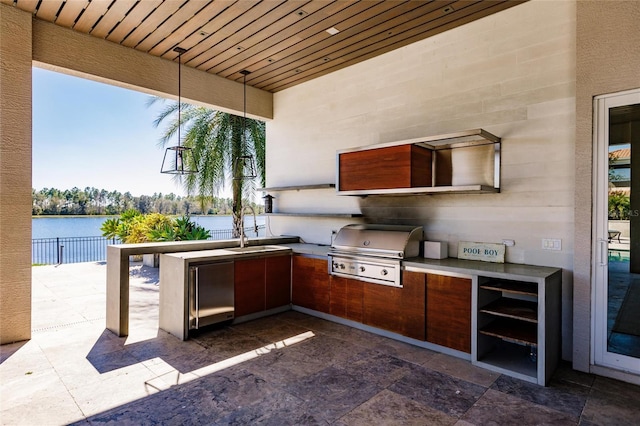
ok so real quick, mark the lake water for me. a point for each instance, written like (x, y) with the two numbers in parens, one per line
(79, 239)
(89, 226)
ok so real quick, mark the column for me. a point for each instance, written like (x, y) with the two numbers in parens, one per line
(15, 174)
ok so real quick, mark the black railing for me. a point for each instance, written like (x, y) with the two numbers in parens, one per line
(49, 251)
(52, 251)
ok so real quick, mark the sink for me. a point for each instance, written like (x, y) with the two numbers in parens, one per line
(256, 249)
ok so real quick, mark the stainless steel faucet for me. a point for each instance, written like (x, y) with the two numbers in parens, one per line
(242, 236)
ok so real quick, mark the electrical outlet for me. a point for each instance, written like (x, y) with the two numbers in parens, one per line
(552, 244)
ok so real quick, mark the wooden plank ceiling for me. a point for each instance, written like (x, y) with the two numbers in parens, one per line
(281, 42)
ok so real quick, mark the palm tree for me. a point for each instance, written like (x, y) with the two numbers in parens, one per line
(217, 140)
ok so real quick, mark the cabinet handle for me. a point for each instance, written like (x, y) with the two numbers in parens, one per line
(603, 251)
(197, 299)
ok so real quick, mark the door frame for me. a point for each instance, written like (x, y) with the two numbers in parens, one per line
(600, 355)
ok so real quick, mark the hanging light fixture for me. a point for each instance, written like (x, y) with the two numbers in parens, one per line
(244, 165)
(175, 157)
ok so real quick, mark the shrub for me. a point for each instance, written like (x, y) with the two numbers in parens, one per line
(619, 205)
(135, 227)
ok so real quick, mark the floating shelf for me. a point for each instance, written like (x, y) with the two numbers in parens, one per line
(463, 189)
(298, 187)
(347, 215)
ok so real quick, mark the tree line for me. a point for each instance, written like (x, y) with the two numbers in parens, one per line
(93, 201)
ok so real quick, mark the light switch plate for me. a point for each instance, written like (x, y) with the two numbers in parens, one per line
(552, 244)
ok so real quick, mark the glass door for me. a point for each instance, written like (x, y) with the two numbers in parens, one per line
(617, 231)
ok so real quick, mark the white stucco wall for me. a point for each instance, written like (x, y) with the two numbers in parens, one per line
(512, 74)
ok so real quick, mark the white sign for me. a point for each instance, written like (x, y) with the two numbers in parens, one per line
(487, 252)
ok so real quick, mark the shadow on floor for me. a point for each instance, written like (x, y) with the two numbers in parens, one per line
(7, 350)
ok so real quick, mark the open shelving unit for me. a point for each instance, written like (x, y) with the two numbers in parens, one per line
(516, 326)
(306, 188)
(466, 162)
(298, 187)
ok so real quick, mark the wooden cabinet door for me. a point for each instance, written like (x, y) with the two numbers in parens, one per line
(413, 304)
(401, 166)
(401, 310)
(346, 298)
(449, 312)
(249, 286)
(278, 281)
(310, 283)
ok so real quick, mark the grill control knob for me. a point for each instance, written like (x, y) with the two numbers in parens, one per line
(335, 265)
(361, 269)
(342, 266)
(384, 272)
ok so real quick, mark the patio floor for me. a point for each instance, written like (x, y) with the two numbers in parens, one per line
(286, 369)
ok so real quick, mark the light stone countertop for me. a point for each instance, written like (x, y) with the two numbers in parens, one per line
(476, 267)
(311, 249)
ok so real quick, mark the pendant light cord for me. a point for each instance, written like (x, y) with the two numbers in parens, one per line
(179, 94)
(244, 109)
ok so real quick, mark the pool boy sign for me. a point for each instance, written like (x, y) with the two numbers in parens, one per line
(487, 252)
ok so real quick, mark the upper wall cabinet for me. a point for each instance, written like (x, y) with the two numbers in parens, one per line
(463, 162)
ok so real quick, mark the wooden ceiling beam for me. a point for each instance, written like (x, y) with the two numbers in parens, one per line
(112, 17)
(317, 34)
(277, 19)
(186, 35)
(151, 23)
(355, 31)
(70, 12)
(282, 42)
(91, 15)
(230, 31)
(170, 26)
(133, 18)
(266, 50)
(392, 45)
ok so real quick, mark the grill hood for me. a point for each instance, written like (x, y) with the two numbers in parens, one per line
(389, 241)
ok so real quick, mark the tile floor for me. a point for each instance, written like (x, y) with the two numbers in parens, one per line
(286, 369)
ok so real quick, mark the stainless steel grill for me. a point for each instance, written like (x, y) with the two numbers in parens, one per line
(374, 253)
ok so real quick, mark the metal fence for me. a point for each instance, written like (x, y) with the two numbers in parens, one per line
(51, 251)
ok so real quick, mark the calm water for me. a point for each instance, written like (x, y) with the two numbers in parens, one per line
(88, 226)
(79, 239)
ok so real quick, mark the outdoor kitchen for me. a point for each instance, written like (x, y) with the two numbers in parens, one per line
(439, 246)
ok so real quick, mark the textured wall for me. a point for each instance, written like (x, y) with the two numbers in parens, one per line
(607, 61)
(108, 62)
(15, 175)
(512, 73)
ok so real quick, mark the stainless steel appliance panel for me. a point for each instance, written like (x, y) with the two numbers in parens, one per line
(211, 294)
(378, 271)
(374, 253)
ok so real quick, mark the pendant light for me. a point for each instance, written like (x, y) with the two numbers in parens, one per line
(175, 157)
(244, 165)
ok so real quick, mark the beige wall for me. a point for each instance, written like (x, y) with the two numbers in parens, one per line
(62, 49)
(512, 74)
(607, 61)
(15, 175)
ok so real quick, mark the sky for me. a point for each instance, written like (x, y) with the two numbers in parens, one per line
(90, 134)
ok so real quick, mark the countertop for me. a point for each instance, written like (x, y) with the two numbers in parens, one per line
(312, 249)
(476, 267)
(450, 264)
(415, 264)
